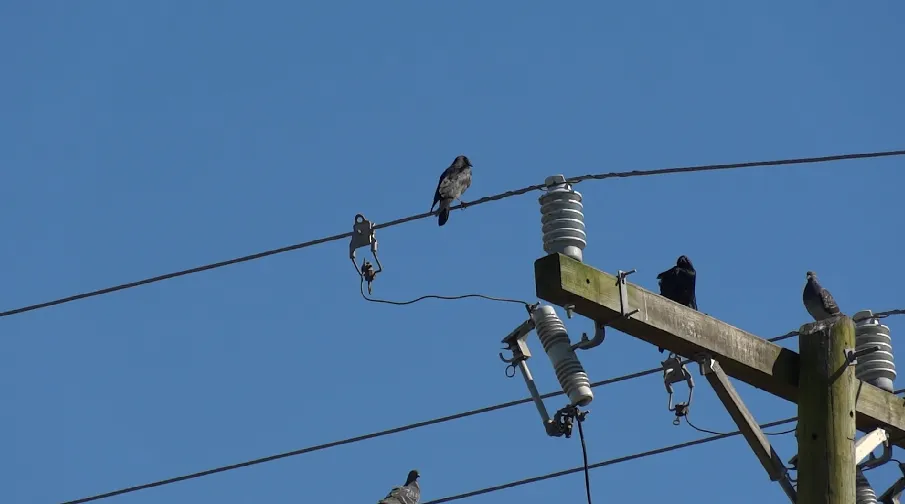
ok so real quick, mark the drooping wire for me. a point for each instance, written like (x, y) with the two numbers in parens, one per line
(584, 455)
(436, 296)
(706, 431)
(507, 194)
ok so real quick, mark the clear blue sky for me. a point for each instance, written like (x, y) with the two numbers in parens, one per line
(143, 137)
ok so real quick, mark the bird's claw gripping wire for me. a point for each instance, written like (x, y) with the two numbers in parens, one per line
(363, 235)
(674, 371)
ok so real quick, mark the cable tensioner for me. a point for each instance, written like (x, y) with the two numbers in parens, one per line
(363, 235)
(674, 371)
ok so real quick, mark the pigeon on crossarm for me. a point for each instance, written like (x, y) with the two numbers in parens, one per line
(677, 284)
(817, 300)
(410, 493)
(453, 183)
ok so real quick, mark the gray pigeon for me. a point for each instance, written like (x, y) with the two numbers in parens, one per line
(817, 300)
(453, 183)
(410, 493)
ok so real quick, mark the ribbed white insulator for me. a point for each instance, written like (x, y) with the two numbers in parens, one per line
(876, 368)
(571, 375)
(864, 493)
(562, 221)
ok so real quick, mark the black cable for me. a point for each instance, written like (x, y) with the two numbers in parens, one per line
(584, 455)
(604, 463)
(507, 194)
(361, 288)
(352, 440)
(705, 431)
(373, 435)
(782, 433)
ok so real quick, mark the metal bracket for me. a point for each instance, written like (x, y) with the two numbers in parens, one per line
(851, 355)
(674, 371)
(865, 446)
(748, 426)
(561, 424)
(624, 307)
(625, 311)
(363, 235)
(588, 343)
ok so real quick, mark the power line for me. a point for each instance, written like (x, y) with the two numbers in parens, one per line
(614, 461)
(351, 440)
(507, 194)
(604, 463)
(357, 439)
(387, 432)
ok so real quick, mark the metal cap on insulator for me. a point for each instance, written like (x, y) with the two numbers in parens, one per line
(877, 367)
(864, 493)
(562, 219)
(569, 371)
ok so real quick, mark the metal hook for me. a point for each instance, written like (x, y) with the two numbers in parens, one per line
(588, 343)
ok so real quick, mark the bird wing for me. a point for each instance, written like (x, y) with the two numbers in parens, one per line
(829, 304)
(440, 184)
(403, 495)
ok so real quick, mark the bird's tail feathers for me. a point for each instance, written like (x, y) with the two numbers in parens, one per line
(443, 216)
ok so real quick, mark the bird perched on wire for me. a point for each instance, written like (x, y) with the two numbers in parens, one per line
(817, 300)
(678, 283)
(410, 493)
(454, 181)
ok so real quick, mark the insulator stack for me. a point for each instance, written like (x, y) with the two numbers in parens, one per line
(569, 371)
(562, 220)
(876, 368)
(864, 493)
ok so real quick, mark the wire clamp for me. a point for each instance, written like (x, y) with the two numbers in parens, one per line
(363, 235)
(674, 371)
(563, 420)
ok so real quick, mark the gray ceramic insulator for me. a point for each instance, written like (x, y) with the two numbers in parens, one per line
(877, 368)
(864, 493)
(569, 371)
(562, 219)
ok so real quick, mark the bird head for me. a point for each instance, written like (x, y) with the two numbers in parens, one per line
(811, 275)
(462, 161)
(683, 262)
(413, 476)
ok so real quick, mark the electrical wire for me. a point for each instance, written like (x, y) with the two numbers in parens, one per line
(604, 463)
(351, 440)
(584, 457)
(361, 288)
(486, 199)
(373, 435)
(706, 431)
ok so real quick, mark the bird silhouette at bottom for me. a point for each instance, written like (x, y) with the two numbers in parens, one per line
(678, 284)
(409, 493)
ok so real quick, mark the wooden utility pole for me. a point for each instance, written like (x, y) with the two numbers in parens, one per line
(826, 412)
(830, 409)
(562, 281)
